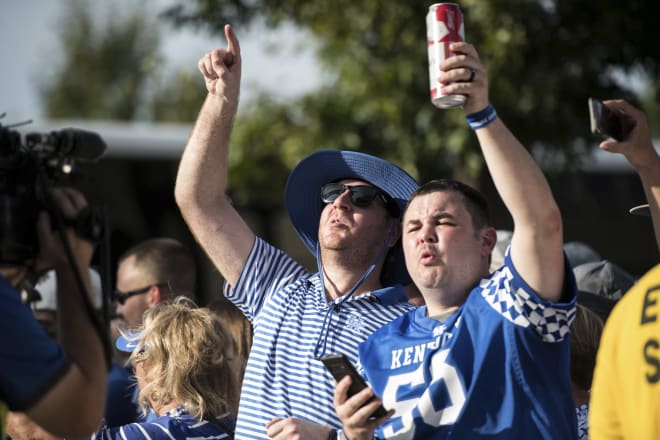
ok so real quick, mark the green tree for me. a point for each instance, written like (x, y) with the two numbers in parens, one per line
(544, 59)
(104, 69)
(177, 97)
(112, 68)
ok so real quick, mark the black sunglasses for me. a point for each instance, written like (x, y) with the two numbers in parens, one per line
(360, 195)
(121, 297)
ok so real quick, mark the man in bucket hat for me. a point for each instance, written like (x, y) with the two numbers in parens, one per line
(345, 206)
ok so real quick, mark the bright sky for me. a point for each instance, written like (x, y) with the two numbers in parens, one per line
(29, 45)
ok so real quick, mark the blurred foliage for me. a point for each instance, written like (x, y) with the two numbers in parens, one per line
(111, 68)
(545, 58)
(105, 68)
(177, 97)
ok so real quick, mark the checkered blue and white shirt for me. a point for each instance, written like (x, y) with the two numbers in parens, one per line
(497, 368)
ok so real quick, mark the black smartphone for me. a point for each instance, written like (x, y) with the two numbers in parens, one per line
(606, 122)
(339, 366)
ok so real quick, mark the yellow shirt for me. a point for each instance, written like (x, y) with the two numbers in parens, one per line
(625, 396)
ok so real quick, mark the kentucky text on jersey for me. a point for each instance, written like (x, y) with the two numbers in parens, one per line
(415, 354)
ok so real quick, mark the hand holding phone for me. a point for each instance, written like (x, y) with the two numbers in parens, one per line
(606, 122)
(339, 366)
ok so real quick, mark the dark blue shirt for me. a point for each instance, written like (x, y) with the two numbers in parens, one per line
(30, 361)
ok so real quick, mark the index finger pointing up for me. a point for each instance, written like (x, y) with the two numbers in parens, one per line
(233, 46)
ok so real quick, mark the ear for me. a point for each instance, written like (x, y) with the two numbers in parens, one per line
(394, 233)
(154, 296)
(488, 240)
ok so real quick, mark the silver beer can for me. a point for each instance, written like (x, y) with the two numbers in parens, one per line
(444, 25)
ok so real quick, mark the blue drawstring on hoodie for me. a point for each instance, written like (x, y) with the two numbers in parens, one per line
(318, 348)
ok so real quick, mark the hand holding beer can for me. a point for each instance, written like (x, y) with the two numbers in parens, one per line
(444, 25)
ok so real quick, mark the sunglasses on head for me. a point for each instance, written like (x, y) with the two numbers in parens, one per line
(121, 297)
(360, 195)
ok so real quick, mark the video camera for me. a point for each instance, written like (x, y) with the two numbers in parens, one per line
(27, 171)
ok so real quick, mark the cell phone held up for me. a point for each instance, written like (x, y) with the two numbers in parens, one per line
(606, 122)
(339, 366)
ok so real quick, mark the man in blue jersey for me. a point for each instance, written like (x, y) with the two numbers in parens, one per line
(346, 208)
(488, 356)
(60, 387)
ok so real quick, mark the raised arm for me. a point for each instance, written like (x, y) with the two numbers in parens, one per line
(536, 245)
(639, 151)
(201, 181)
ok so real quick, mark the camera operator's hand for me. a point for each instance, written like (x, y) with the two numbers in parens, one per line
(20, 426)
(52, 253)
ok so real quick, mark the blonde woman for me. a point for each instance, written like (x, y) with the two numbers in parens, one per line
(185, 365)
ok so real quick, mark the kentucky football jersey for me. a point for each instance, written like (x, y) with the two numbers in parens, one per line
(497, 368)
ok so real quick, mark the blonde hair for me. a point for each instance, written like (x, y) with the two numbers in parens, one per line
(188, 358)
(585, 339)
(238, 325)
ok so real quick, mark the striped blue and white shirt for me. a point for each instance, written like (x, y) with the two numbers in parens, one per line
(292, 318)
(176, 424)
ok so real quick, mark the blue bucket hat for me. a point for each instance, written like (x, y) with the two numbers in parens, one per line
(302, 196)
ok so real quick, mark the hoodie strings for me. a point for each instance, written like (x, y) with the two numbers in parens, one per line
(321, 342)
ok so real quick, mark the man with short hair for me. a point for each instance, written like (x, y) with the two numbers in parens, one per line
(346, 207)
(151, 272)
(488, 356)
